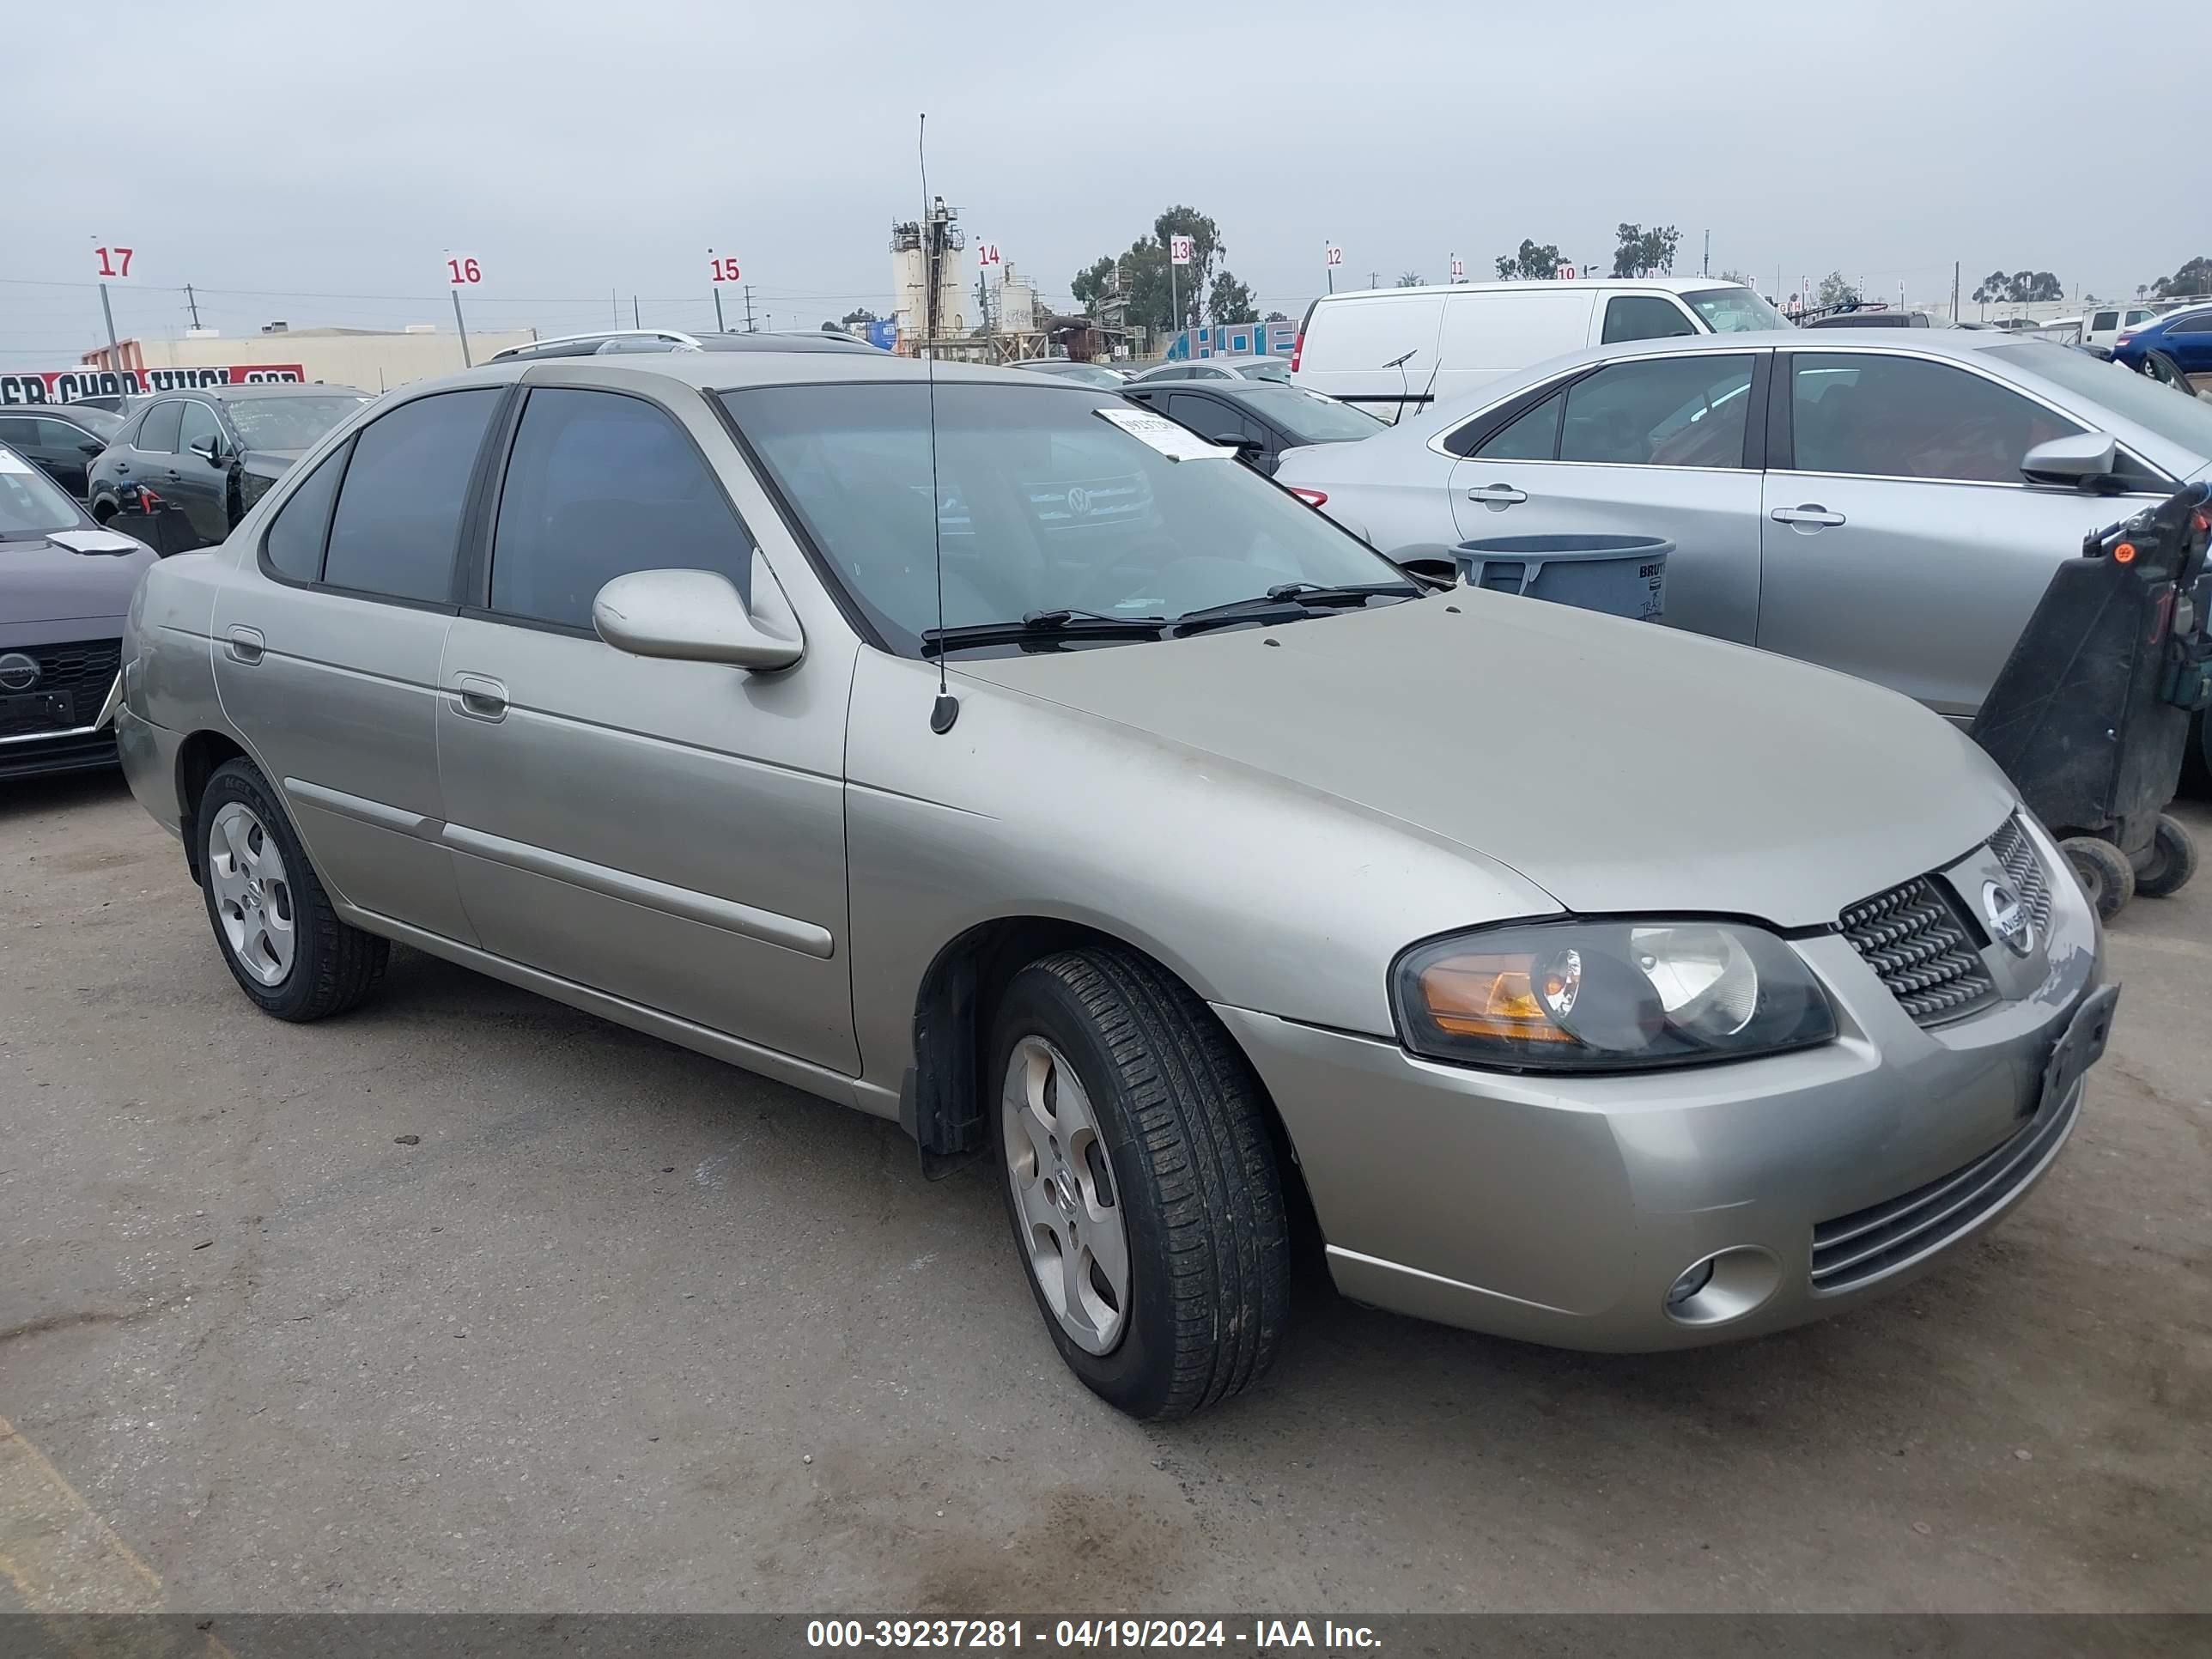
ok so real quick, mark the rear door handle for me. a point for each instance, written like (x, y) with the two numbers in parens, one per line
(1811, 512)
(245, 645)
(479, 697)
(1498, 495)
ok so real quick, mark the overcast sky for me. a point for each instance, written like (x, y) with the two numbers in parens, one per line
(313, 160)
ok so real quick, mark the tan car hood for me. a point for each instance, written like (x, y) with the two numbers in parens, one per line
(1619, 766)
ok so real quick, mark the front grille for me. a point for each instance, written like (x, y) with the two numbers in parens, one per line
(1912, 937)
(88, 664)
(2016, 853)
(1864, 1245)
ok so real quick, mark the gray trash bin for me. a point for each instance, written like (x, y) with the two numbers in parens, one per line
(1620, 575)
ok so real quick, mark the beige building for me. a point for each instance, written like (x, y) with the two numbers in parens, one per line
(374, 360)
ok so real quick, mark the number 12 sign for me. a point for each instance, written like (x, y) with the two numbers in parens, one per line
(462, 270)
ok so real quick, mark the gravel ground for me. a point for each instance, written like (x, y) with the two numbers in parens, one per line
(627, 1329)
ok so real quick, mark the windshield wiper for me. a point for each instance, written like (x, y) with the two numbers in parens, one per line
(1041, 626)
(1288, 599)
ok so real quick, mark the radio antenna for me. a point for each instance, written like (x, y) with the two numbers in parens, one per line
(946, 709)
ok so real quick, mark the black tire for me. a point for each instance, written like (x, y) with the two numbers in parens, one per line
(2172, 861)
(2104, 871)
(334, 965)
(1183, 1121)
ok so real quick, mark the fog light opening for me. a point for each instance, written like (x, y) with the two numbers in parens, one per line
(1690, 1282)
(1722, 1287)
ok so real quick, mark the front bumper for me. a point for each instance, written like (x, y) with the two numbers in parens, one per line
(84, 748)
(1562, 1209)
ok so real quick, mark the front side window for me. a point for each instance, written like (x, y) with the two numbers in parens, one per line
(31, 503)
(599, 485)
(199, 427)
(2199, 324)
(1644, 317)
(157, 433)
(1659, 411)
(60, 434)
(1205, 415)
(1040, 503)
(1906, 417)
(398, 526)
(2184, 421)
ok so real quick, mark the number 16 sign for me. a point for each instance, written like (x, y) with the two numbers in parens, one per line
(462, 270)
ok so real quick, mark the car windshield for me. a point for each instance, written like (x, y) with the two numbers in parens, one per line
(2184, 421)
(1043, 504)
(99, 422)
(1265, 368)
(31, 503)
(1315, 417)
(1081, 373)
(1734, 310)
(288, 422)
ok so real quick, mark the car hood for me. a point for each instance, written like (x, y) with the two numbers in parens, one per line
(1619, 766)
(270, 463)
(43, 581)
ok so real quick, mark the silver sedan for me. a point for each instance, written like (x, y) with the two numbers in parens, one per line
(1886, 503)
(1010, 762)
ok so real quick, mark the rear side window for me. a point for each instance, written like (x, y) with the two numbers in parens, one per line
(398, 522)
(1906, 417)
(2200, 324)
(60, 434)
(1659, 411)
(1644, 317)
(601, 484)
(294, 546)
(1533, 437)
(157, 433)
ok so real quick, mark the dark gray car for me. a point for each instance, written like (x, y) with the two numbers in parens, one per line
(207, 455)
(65, 585)
(60, 440)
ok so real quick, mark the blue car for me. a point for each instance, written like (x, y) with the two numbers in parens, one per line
(2184, 336)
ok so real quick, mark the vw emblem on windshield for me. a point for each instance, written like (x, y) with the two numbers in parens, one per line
(18, 673)
(1078, 501)
(2009, 918)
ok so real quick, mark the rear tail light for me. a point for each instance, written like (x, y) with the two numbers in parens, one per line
(1298, 345)
(1311, 497)
(2124, 339)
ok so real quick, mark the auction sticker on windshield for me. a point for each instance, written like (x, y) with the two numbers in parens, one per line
(1177, 443)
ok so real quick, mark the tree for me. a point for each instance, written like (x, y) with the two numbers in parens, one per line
(1992, 289)
(1413, 279)
(2193, 278)
(1537, 262)
(1742, 277)
(1642, 253)
(1835, 291)
(1230, 301)
(858, 314)
(1275, 317)
(1142, 276)
(2031, 287)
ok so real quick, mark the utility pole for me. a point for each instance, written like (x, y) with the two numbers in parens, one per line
(1708, 270)
(1954, 290)
(718, 328)
(114, 350)
(750, 329)
(633, 322)
(193, 300)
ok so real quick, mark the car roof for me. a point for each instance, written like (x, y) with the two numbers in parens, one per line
(736, 371)
(1670, 284)
(260, 389)
(586, 344)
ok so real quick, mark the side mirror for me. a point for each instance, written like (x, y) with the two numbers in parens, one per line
(207, 449)
(692, 616)
(2083, 461)
(93, 447)
(1248, 448)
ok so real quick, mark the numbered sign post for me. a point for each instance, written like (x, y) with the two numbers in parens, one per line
(462, 270)
(1332, 256)
(114, 266)
(1180, 251)
(1458, 269)
(986, 255)
(723, 268)
(1564, 273)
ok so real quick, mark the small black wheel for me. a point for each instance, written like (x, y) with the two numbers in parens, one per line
(2104, 871)
(2172, 861)
(277, 930)
(1140, 1181)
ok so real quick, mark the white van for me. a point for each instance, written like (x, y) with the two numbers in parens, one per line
(2102, 325)
(1393, 351)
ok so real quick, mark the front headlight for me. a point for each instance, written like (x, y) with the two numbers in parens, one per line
(1587, 996)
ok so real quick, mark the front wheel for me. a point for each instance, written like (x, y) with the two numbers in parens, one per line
(1140, 1181)
(2104, 871)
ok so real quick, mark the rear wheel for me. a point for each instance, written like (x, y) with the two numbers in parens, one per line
(279, 935)
(1139, 1181)
(2104, 871)
(2172, 861)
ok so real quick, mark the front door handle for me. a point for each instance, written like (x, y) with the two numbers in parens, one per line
(1810, 512)
(479, 697)
(1498, 495)
(245, 645)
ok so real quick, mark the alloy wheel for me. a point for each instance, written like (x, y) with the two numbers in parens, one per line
(252, 893)
(1064, 1191)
